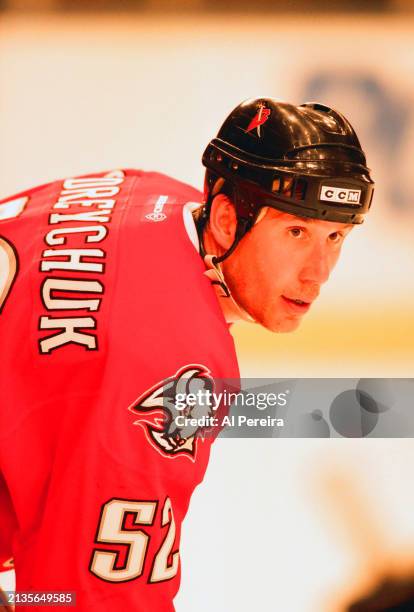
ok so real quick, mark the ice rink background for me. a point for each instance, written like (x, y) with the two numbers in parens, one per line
(295, 525)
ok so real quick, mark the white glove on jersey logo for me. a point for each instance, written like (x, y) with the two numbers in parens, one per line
(162, 407)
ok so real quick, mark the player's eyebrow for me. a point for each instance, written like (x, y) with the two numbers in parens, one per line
(309, 220)
(292, 218)
(306, 219)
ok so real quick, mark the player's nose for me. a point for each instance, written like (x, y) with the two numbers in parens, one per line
(317, 267)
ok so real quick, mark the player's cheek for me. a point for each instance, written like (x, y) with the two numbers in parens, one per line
(336, 254)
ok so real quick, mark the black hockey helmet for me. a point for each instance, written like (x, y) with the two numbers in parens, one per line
(305, 160)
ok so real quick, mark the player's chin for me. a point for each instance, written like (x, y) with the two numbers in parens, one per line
(283, 325)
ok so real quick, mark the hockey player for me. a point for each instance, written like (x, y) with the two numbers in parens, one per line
(108, 312)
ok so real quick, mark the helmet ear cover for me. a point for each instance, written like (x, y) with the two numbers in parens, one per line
(216, 185)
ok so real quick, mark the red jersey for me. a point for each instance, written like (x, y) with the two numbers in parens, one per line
(105, 312)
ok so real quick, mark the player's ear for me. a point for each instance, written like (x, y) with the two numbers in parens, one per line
(223, 220)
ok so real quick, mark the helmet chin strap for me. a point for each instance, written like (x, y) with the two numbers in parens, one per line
(215, 272)
(241, 230)
(243, 226)
(233, 311)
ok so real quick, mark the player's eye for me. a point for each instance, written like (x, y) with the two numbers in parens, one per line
(297, 232)
(336, 237)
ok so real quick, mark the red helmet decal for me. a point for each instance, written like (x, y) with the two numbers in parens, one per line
(259, 119)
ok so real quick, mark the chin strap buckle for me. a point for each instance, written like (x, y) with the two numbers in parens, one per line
(215, 274)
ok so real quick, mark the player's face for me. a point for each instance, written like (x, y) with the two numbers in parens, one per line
(278, 268)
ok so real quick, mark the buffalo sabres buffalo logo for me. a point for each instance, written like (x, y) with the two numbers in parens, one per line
(159, 407)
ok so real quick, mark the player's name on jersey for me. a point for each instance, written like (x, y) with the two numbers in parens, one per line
(240, 420)
(82, 211)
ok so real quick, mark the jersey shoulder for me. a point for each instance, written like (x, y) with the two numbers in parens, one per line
(151, 177)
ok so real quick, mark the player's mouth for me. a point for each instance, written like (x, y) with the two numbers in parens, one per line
(296, 305)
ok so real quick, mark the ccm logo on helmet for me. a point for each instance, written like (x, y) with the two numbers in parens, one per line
(340, 195)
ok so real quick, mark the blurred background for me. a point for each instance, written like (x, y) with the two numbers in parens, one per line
(291, 525)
